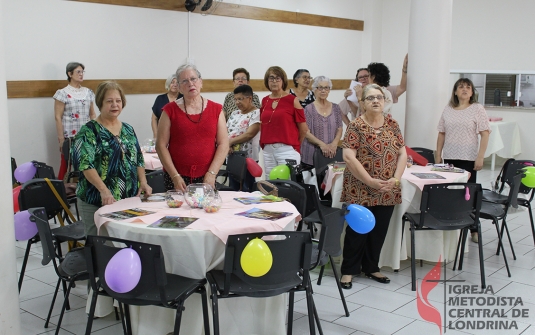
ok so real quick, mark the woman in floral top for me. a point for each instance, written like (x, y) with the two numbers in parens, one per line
(243, 127)
(107, 153)
(73, 107)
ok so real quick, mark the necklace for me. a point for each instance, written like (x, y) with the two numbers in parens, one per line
(202, 110)
(274, 105)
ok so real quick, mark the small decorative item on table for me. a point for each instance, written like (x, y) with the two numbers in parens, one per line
(410, 162)
(174, 199)
(196, 193)
(149, 145)
(212, 204)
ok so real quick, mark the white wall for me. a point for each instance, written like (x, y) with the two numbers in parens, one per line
(116, 42)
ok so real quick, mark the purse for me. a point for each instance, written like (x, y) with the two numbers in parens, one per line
(261, 187)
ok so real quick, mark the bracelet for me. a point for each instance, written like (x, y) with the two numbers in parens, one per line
(212, 173)
(397, 181)
(176, 175)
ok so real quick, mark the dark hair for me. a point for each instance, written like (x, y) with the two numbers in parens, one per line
(103, 88)
(361, 69)
(278, 71)
(380, 73)
(71, 67)
(298, 74)
(454, 100)
(245, 90)
(241, 70)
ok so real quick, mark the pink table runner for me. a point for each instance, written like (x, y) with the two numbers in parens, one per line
(450, 176)
(152, 162)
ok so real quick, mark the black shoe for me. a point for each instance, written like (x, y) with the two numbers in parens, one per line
(346, 285)
(382, 280)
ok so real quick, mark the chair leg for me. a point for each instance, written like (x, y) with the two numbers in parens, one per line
(123, 320)
(65, 303)
(310, 308)
(64, 284)
(52, 303)
(290, 314)
(178, 318)
(91, 313)
(481, 258)
(504, 224)
(531, 220)
(339, 285)
(321, 272)
(215, 311)
(202, 291)
(413, 262)
(116, 312)
(316, 316)
(463, 244)
(24, 262)
(128, 319)
(457, 251)
(500, 245)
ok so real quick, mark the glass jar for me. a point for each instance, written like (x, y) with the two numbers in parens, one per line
(174, 199)
(197, 194)
(213, 203)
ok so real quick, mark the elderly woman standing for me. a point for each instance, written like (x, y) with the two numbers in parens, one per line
(240, 76)
(283, 124)
(73, 107)
(192, 140)
(371, 179)
(324, 121)
(107, 153)
(171, 85)
(302, 80)
(463, 121)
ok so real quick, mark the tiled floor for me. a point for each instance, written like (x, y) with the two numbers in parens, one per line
(375, 308)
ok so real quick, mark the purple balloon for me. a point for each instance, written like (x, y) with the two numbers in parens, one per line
(360, 219)
(25, 172)
(123, 271)
(24, 228)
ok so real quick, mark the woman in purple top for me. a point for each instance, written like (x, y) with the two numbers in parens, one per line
(324, 120)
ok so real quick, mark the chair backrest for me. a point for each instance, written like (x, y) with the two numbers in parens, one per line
(512, 198)
(37, 193)
(321, 162)
(291, 253)
(43, 170)
(426, 153)
(237, 166)
(155, 181)
(99, 250)
(294, 192)
(509, 170)
(38, 215)
(451, 203)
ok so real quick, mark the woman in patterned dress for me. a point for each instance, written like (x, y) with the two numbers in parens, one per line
(73, 107)
(302, 84)
(374, 151)
(463, 121)
(108, 154)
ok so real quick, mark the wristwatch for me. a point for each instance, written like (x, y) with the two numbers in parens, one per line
(397, 181)
(212, 173)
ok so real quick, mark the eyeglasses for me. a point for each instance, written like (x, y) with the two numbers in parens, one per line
(193, 80)
(363, 77)
(274, 79)
(241, 79)
(124, 148)
(79, 71)
(373, 97)
(306, 77)
(323, 88)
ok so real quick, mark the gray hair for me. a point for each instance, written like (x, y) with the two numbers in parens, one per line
(319, 79)
(71, 67)
(185, 67)
(170, 80)
(371, 87)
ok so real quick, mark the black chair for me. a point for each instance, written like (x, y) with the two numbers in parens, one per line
(37, 193)
(236, 169)
(295, 193)
(328, 245)
(321, 165)
(426, 153)
(71, 268)
(14, 181)
(509, 169)
(155, 181)
(155, 287)
(289, 273)
(447, 207)
(497, 212)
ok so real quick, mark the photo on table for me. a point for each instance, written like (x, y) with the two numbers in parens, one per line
(173, 222)
(427, 175)
(257, 213)
(155, 197)
(258, 200)
(127, 214)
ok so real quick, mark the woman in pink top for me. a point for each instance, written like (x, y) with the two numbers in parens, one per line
(463, 121)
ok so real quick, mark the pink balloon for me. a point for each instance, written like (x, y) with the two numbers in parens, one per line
(24, 228)
(254, 169)
(25, 172)
(123, 271)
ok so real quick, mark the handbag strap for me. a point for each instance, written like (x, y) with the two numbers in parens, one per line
(60, 200)
(274, 190)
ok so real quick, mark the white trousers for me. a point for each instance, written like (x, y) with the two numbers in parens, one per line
(277, 154)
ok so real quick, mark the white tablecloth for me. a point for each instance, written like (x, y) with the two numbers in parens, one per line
(429, 244)
(152, 162)
(192, 253)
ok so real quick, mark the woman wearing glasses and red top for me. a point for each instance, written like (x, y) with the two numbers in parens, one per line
(192, 141)
(283, 124)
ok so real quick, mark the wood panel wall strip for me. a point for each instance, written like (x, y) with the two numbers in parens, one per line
(47, 88)
(244, 12)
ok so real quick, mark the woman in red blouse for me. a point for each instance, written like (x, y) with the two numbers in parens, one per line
(283, 124)
(374, 152)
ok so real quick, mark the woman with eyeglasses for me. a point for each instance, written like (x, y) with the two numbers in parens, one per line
(240, 76)
(302, 80)
(171, 85)
(73, 107)
(283, 124)
(107, 153)
(324, 121)
(192, 138)
(375, 156)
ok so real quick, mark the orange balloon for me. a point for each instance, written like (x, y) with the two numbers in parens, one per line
(16, 192)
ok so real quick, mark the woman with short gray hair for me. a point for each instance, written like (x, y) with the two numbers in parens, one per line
(171, 85)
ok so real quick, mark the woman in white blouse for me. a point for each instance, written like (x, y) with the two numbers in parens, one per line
(463, 121)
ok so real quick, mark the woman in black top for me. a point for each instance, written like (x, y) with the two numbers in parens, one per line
(171, 85)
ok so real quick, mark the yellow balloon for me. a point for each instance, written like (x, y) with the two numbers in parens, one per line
(256, 258)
